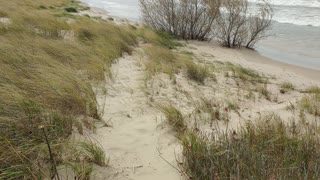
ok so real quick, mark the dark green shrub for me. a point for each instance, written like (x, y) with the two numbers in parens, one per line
(71, 9)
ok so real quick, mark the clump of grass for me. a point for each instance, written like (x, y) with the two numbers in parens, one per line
(197, 72)
(174, 118)
(71, 9)
(83, 170)
(216, 110)
(94, 153)
(161, 59)
(311, 104)
(245, 74)
(250, 95)
(41, 7)
(263, 91)
(188, 53)
(159, 38)
(286, 87)
(3, 14)
(267, 150)
(233, 105)
(313, 89)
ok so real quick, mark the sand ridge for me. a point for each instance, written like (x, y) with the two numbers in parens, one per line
(136, 137)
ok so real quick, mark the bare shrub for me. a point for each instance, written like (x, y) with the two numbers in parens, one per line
(259, 24)
(238, 26)
(188, 19)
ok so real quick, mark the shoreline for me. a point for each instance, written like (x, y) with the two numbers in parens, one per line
(313, 74)
(257, 61)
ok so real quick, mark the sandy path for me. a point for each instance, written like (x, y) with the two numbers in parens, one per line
(137, 135)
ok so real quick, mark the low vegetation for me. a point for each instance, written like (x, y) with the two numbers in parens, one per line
(311, 104)
(245, 74)
(49, 61)
(94, 153)
(198, 72)
(83, 170)
(159, 38)
(313, 90)
(161, 59)
(286, 87)
(174, 118)
(215, 109)
(263, 91)
(268, 149)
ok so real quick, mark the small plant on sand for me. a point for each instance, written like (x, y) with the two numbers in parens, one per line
(215, 110)
(71, 9)
(245, 74)
(174, 117)
(163, 60)
(313, 89)
(197, 72)
(160, 60)
(311, 104)
(286, 87)
(82, 170)
(268, 149)
(250, 95)
(263, 91)
(233, 105)
(159, 38)
(94, 153)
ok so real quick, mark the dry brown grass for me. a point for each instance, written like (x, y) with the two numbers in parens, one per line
(47, 80)
(268, 149)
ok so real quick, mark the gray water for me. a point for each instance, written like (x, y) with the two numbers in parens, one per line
(295, 35)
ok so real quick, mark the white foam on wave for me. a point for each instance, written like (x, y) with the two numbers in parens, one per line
(298, 12)
(304, 3)
(295, 12)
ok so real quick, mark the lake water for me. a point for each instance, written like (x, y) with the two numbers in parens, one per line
(295, 36)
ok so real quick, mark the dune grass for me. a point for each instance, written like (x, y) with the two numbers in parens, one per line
(95, 153)
(216, 110)
(197, 72)
(263, 91)
(161, 59)
(268, 149)
(311, 104)
(313, 90)
(83, 170)
(174, 118)
(158, 38)
(46, 79)
(288, 86)
(245, 74)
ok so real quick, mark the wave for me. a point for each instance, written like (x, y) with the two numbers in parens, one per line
(298, 12)
(304, 3)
